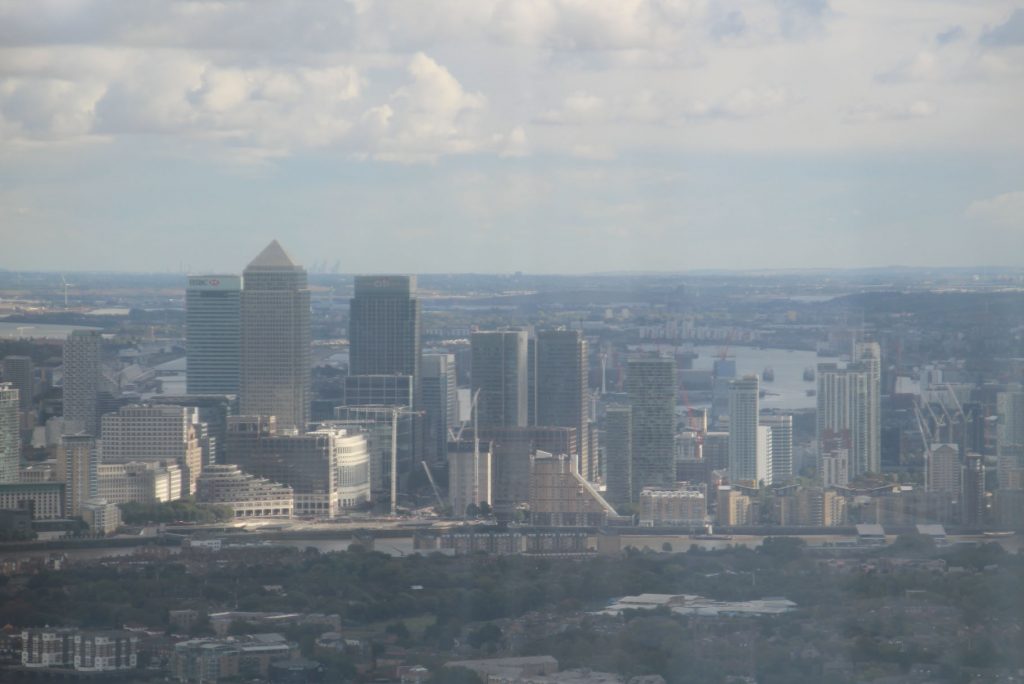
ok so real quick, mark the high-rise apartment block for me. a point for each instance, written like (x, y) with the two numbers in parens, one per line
(77, 462)
(942, 469)
(651, 386)
(10, 433)
(213, 328)
(848, 405)
(154, 434)
(439, 396)
(973, 491)
(276, 340)
(743, 433)
(499, 374)
(19, 371)
(384, 327)
(561, 387)
(618, 454)
(82, 372)
(782, 446)
(1010, 438)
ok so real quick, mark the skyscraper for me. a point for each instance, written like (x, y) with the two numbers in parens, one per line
(213, 333)
(743, 423)
(18, 371)
(77, 466)
(10, 434)
(1009, 436)
(868, 355)
(561, 384)
(499, 373)
(782, 446)
(651, 386)
(82, 382)
(440, 401)
(275, 361)
(942, 469)
(846, 398)
(618, 454)
(384, 327)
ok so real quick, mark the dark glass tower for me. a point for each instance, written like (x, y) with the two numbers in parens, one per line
(561, 385)
(213, 333)
(384, 328)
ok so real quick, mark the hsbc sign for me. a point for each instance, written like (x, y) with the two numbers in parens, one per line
(224, 282)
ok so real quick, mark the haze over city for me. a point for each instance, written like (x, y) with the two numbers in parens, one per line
(512, 342)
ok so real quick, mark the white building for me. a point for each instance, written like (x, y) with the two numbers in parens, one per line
(765, 455)
(249, 496)
(835, 468)
(782, 446)
(139, 482)
(163, 433)
(848, 409)
(684, 507)
(469, 479)
(102, 516)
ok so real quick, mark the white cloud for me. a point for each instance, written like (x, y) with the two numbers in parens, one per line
(1003, 210)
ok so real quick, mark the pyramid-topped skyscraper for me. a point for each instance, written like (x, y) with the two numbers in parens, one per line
(275, 360)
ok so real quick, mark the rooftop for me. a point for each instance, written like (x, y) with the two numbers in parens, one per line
(272, 257)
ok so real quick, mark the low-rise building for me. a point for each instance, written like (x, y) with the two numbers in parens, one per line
(682, 507)
(249, 496)
(139, 482)
(733, 506)
(87, 651)
(102, 516)
(45, 500)
(248, 656)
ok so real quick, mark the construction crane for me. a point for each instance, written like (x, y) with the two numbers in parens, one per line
(66, 285)
(433, 485)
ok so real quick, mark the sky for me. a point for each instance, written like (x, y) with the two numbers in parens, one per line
(544, 136)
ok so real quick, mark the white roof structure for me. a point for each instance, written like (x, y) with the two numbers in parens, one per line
(272, 257)
(689, 604)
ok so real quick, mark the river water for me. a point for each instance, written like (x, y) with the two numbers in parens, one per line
(403, 546)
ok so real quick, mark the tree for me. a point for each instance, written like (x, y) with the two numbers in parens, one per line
(667, 547)
(472, 510)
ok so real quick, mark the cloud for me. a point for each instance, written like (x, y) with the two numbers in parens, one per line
(1004, 210)
(802, 18)
(430, 116)
(950, 35)
(924, 65)
(728, 24)
(865, 114)
(1010, 32)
